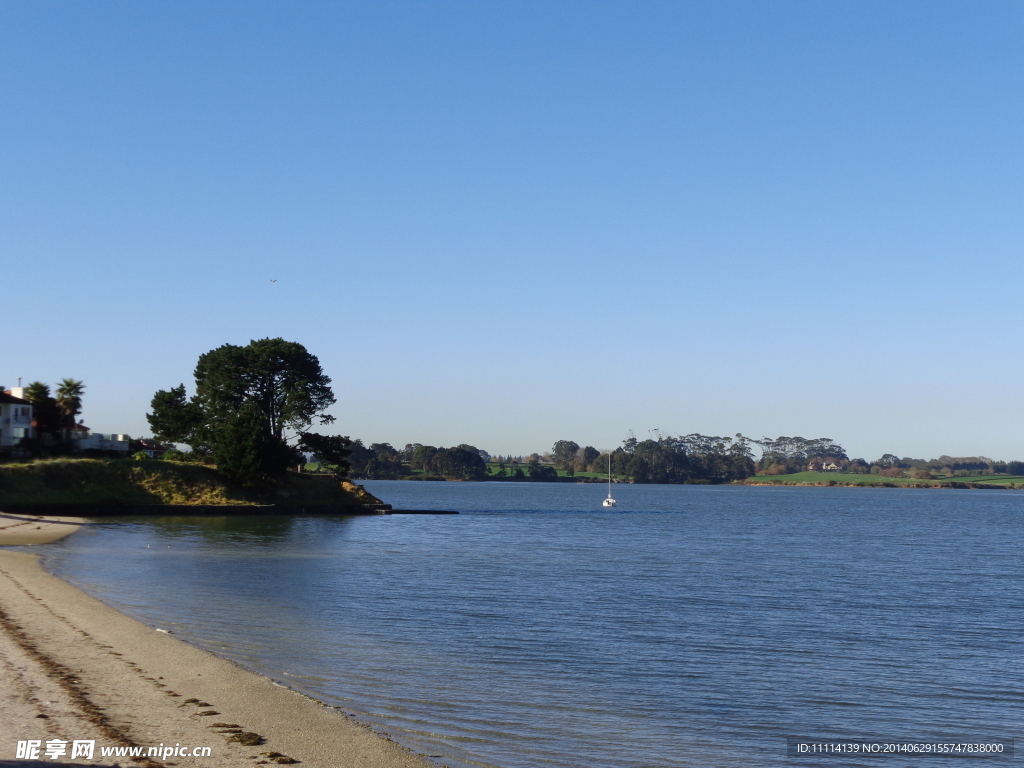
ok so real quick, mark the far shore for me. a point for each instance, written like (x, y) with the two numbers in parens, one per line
(917, 486)
(784, 481)
(72, 668)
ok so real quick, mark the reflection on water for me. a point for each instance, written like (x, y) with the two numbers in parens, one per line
(252, 530)
(691, 626)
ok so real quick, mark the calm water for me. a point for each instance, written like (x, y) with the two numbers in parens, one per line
(691, 626)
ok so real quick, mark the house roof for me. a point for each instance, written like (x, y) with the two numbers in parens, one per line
(12, 400)
(147, 444)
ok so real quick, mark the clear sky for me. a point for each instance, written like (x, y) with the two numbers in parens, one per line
(507, 223)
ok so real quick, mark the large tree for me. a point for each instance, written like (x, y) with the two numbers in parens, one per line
(280, 378)
(564, 452)
(243, 449)
(585, 457)
(176, 419)
(272, 384)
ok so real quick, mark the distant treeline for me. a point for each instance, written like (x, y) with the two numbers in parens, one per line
(382, 461)
(788, 455)
(691, 458)
(890, 465)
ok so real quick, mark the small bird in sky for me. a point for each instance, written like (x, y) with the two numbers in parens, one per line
(273, 281)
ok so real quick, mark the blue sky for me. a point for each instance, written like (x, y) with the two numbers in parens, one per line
(507, 223)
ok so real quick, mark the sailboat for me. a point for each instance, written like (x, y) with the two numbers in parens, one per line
(609, 502)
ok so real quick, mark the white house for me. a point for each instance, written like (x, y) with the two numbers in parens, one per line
(16, 422)
(15, 418)
(824, 465)
(84, 439)
(152, 448)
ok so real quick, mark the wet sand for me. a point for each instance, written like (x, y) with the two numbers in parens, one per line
(74, 668)
(35, 529)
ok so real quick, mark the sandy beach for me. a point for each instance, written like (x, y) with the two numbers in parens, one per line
(72, 668)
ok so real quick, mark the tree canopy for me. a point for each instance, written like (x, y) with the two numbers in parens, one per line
(691, 458)
(564, 453)
(252, 409)
(175, 418)
(792, 454)
(281, 379)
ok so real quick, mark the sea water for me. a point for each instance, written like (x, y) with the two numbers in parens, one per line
(689, 626)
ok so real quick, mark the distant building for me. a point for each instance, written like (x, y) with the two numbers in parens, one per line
(84, 439)
(152, 448)
(16, 423)
(15, 417)
(825, 465)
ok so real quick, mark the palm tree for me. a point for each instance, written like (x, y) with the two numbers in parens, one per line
(69, 401)
(37, 392)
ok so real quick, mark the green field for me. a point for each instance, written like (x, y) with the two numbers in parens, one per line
(839, 478)
(990, 479)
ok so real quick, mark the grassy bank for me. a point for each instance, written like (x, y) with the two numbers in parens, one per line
(126, 481)
(877, 481)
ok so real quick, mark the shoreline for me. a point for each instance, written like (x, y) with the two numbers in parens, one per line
(755, 481)
(22, 529)
(73, 668)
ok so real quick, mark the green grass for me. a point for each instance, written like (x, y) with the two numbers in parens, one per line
(127, 481)
(839, 478)
(989, 479)
(836, 477)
